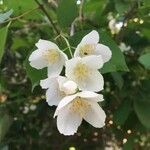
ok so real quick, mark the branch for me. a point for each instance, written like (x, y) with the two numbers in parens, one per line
(41, 6)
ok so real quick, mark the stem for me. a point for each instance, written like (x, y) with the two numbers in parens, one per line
(41, 6)
(68, 45)
(22, 15)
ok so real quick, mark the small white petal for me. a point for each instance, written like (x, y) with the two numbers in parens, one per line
(104, 51)
(69, 87)
(45, 45)
(91, 96)
(95, 115)
(72, 63)
(36, 60)
(53, 96)
(48, 82)
(63, 56)
(61, 80)
(68, 121)
(91, 38)
(55, 69)
(65, 101)
(95, 82)
(95, 62)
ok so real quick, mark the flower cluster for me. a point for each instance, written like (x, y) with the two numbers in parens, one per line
(75, 93)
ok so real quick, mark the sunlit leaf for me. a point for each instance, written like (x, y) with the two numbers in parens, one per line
(5, 16)
(145, 60)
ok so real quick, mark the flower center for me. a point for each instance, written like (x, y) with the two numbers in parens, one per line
(51, 55)
(80, 106)
(87, 49)
(81, 71)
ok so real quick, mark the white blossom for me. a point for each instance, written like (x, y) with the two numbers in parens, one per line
(48, 55)
(89, 46)
(74, 108)
(84, 72)
(57, 88)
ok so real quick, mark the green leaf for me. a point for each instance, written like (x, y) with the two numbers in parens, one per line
(5, 123)
(3, 36)
(142, 109)
(122, 113)
(66, 12)
(117, 62)
(121, 6)
(145, 60)
(20, 7)
(117, 79)
(19, 42)
(35, 75)
(5, 16)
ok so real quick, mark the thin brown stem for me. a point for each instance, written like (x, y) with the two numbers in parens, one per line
(41, 6)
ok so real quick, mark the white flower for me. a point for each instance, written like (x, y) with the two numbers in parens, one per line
(57, 88)
(74, 108)
(124, 47)
(84, 72)
(48, 55)
(89, 46)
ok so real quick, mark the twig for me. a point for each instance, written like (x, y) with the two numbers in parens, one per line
(41, 6)
(68, 45)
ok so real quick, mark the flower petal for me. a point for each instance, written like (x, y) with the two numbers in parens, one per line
(65, 101)
(61, 80)
(104, 51)
(45, 45)
(36, 60)
(91, 96)
(95, 115)
(53, 96)
(95, 62)
(70, 64)
(49, 82)
(68, 121)
(91, 38)
(94, 83)
(55, 69)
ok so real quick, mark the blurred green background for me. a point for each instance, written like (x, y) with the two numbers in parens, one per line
(26, 121)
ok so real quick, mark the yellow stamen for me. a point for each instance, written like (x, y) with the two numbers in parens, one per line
(80, 106)
(87, 49)
(81, 71)
(51, 55)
